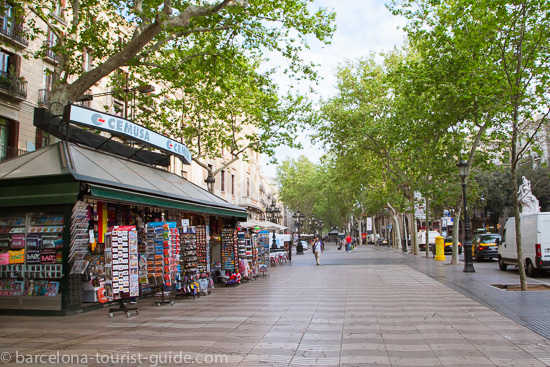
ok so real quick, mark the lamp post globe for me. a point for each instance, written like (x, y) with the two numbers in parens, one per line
(468, 264)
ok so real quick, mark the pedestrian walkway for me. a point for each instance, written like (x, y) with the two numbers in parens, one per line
(371, 307)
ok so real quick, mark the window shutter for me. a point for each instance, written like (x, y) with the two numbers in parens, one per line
(17, 65)
(13, 138)
(39, 138)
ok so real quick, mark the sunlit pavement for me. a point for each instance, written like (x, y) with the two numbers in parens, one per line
(370, 307)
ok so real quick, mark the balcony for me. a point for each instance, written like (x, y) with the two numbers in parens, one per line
(43, 97)
(11, 153)
(13, 31)
(14, 86)
(50, 55)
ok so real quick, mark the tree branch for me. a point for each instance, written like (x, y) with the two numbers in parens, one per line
(48, 24)
(172, 37)
(141, 38)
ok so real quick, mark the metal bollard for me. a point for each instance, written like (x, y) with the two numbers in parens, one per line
(439, 249)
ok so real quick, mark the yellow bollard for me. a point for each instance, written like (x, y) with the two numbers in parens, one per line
(439, 249)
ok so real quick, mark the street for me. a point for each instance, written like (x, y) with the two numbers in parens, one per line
(375, 306)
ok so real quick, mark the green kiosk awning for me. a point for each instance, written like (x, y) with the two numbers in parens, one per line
(58, 173)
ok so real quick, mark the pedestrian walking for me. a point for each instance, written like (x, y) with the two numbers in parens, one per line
(348, 243)
(317, 249)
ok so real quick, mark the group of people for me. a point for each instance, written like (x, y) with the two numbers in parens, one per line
(350, 243)
(318, 246)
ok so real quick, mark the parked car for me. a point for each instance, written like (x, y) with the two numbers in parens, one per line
(535, 239)
(448, 243)
(485, 246)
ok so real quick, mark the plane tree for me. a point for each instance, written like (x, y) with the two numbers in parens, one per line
(501, 50)
(205, 55)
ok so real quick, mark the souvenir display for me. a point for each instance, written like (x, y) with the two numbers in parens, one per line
(244, 249)
(203, 250)
(188, 256)
(229, 249)
(121, 262)
(31, 254)
(130, 257)
(163, 252)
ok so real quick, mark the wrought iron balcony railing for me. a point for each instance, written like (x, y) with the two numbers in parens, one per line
(13, 30)
(43, 97)
(11, 152)
(49, 53)
(13, 85)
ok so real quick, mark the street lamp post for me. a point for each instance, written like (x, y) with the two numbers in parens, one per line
(299, 219)
(273, 214)
(313, 225)
(468, 264)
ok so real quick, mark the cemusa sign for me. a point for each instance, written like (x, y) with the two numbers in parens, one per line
(117, 125)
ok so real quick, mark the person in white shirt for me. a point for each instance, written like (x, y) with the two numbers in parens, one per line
(317, 249)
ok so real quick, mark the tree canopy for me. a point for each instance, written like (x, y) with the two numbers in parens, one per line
(206, 55)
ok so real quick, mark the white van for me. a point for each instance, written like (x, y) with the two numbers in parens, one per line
(535, 238)
(421, 239)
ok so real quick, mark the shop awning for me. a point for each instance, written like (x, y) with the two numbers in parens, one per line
(263, 225)
(112, 177)
(271, 225)
(250, 224)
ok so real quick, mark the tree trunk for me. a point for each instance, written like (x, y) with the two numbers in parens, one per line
(427, 247)
(413, 228)
(456, 226)
(374, 232)
(519, 245)
(405, 230)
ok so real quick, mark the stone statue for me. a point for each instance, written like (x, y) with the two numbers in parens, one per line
(529, 203)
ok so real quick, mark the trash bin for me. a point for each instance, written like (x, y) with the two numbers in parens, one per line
(439, 249)
(404, 245)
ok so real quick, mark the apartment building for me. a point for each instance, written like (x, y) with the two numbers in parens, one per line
(23, 86)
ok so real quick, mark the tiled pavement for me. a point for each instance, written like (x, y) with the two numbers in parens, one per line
(371, 307)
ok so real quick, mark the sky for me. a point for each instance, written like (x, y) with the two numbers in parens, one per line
(363, 27)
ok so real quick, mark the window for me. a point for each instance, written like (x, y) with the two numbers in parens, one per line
(222, 180)
(11, 23)
(58, 10)
(48, 81)
(232, 184)
(87, 61)
(50, 44)
(4, 138)
(44, 93)
(6, 20)
(42, 138)
(9, 64)
(248, 186)
(9, 138)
